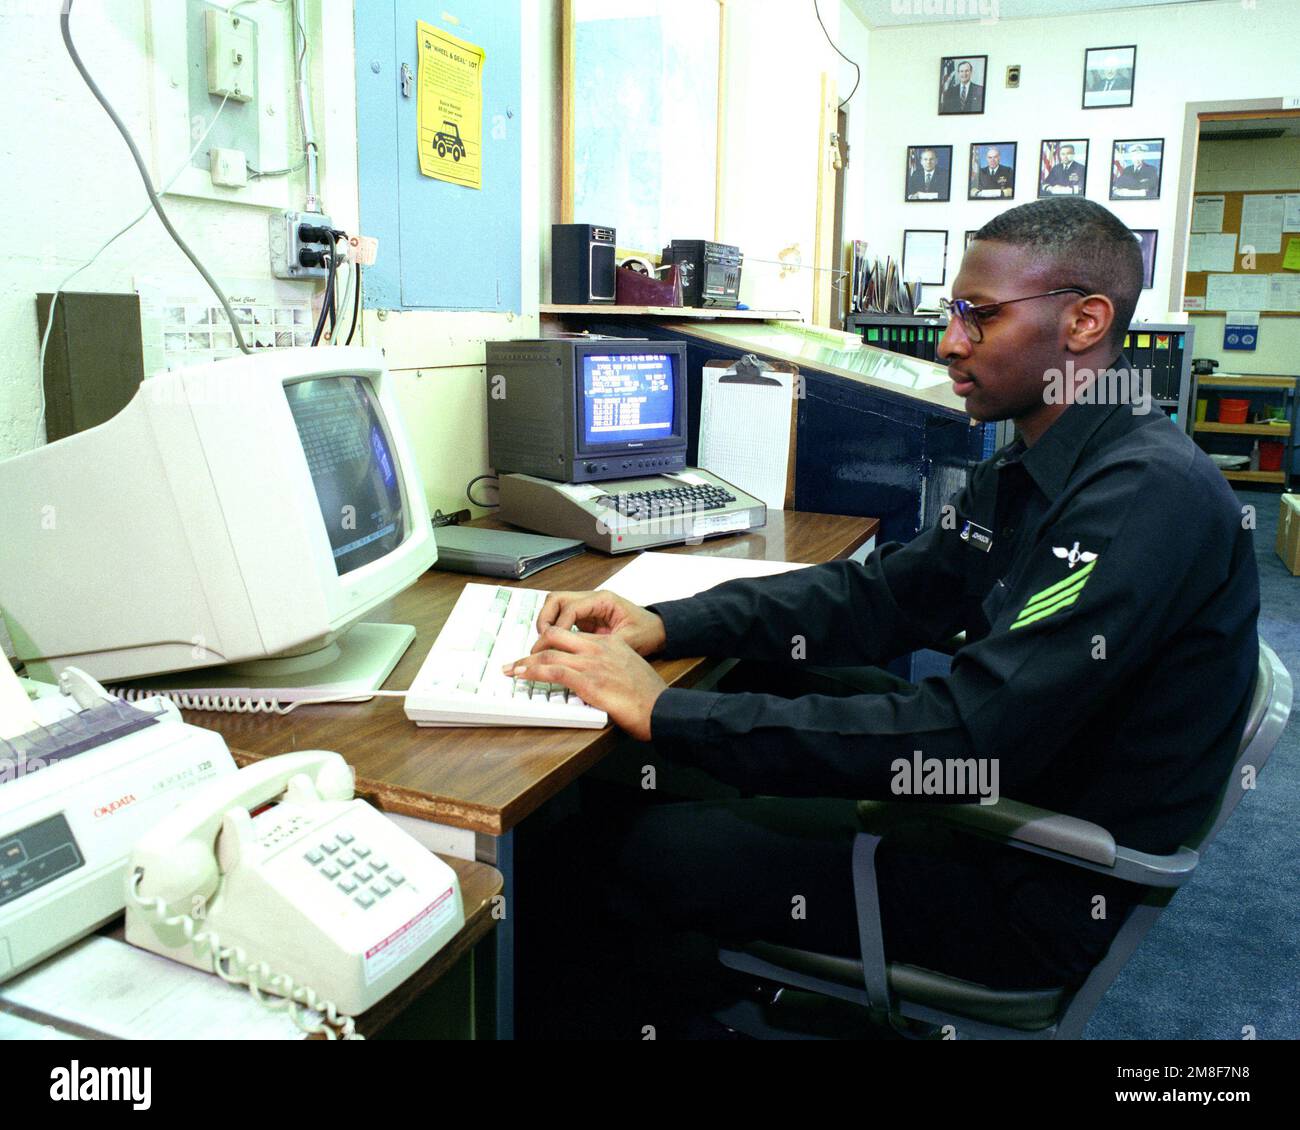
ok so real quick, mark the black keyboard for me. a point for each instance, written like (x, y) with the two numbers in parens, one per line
(668, 501)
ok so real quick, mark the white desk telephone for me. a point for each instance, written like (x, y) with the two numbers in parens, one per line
(318, 899)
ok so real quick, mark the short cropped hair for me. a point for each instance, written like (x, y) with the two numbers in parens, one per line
(1087, 244)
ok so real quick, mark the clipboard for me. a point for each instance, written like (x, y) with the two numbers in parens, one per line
(748, 426)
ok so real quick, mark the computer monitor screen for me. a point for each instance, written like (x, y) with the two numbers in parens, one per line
(352, 468)
(627, 397)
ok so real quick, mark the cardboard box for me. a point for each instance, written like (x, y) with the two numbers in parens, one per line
(1288, 533)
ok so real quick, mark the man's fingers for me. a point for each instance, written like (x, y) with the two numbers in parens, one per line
(563, 639)
(555, 607)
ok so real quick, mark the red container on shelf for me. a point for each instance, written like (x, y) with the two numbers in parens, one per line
(1233, 411)
(1270, 454)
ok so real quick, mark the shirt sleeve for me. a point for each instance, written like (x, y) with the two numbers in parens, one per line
(1116, 571)
(841, 613)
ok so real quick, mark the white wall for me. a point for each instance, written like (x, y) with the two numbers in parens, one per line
(1226, 166)
(70, 183)
(1222, 49)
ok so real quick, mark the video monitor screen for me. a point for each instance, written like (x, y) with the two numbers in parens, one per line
(627, 397)
(352, 467)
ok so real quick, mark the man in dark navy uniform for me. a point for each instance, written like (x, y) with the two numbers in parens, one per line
(996, 178)
(1138, 179)
(1067, 177)
(1102, 572)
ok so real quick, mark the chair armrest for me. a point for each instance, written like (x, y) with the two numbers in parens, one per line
(1028, 828)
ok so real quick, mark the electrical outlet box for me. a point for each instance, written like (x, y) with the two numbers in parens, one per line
(1013, 77)
(229, 167)
(286, 245)
(232, 68)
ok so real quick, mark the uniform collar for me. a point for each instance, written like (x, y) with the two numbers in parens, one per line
(1052, 460)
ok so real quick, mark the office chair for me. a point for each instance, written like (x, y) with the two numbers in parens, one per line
(936, 1004)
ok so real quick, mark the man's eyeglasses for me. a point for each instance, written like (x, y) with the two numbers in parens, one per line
(973, 317)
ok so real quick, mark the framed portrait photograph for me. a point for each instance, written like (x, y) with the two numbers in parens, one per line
(1108, 76)
(1147, 238)
(1063, 168)
(925, 257)
(961, 84)
(992, 171)
(929, 172)
(1135, 169)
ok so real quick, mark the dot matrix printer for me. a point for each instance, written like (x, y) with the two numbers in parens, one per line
(588, 437)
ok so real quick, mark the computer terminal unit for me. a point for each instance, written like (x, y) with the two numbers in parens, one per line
(588, 437)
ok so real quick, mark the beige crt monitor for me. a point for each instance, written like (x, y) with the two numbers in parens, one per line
(251, 509)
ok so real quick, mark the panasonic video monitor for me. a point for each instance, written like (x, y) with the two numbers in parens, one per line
(576, 410)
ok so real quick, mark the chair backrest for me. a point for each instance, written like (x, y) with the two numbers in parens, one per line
(1270, 706)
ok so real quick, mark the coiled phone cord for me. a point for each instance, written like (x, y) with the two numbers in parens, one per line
(236, 704)
(255, 976)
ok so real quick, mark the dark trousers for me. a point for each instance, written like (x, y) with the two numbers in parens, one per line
(663, 882)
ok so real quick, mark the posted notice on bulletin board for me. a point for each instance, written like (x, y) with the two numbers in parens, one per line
(449, 107)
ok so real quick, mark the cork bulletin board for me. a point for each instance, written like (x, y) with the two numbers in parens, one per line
(1196, 283)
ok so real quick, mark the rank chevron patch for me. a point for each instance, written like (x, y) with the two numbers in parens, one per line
(1055, 597)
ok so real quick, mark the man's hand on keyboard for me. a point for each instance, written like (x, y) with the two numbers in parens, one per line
(603, 670)
(603, 613)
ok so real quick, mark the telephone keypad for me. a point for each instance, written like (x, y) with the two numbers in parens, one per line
(355, 872)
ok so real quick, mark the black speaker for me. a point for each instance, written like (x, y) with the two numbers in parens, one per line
(582, 264)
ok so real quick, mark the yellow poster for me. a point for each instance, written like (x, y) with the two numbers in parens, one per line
(449, 107)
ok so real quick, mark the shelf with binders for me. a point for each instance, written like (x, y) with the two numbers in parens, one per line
(1251, 418)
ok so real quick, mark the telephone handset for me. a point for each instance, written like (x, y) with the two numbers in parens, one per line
(317, 890)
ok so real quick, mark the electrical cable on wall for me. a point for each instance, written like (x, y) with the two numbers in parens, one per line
(66, 28)
(54, 298)
(841, 54)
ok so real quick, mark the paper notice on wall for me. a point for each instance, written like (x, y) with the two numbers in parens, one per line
(1284, 293)
(181, 322)
(1237, 292)
(1194, 302)
(1291, 213)
(1211, 251)
(449, 107)
(1207, 215)
(1291, 261)
(1262, 214)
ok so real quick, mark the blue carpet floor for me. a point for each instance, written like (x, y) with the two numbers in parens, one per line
(1225, 956)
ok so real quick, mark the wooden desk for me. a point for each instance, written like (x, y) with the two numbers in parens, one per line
(488, 780)
(479, 885)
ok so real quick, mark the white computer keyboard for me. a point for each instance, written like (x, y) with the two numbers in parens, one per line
(460, 682)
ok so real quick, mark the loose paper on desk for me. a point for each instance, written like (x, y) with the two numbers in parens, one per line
(654, 577)
(114, 989)
(745, 429)
(16, 714)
